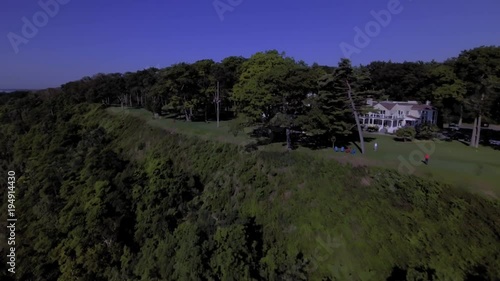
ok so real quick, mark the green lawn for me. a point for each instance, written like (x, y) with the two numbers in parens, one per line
(477, 170)
(200, 129)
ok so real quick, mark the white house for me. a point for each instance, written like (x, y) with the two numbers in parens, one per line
(392, 115)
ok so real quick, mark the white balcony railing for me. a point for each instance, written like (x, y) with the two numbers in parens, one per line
(384, 116)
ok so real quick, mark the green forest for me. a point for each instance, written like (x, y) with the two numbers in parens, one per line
(107, 197)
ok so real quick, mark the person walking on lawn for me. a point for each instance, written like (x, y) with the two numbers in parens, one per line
(426, 159)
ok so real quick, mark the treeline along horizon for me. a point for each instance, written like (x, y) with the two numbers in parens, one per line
(273, 90)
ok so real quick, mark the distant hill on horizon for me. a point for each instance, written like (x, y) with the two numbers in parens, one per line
(6, 91)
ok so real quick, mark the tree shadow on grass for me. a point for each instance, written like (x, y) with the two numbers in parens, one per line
(266, 136)
(403, 140)
(477, 273)
(397, 274)
(318, 143)
(314, 143)
(366, 139)
(401, 274)
(369, 139)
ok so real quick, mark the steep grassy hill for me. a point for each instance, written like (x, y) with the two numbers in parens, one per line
(110, 198)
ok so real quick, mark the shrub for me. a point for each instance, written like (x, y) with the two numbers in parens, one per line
(373, 128)
(426, 131)
(406, 133)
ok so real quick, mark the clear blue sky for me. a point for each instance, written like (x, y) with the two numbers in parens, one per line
(91, 36)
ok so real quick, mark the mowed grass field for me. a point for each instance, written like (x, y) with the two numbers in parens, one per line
(477, 170)
(199, 129)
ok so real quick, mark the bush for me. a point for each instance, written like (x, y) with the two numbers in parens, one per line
(406, 133)
(426, 131)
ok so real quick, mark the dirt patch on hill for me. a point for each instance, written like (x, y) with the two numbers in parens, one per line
(366, 181)
(287, 195)
(301, 185)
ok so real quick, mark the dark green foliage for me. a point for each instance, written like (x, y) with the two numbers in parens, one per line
(479, 68)
(97, 208)
(399, 81)
(305, 102)
(407, 133)
(426, 131)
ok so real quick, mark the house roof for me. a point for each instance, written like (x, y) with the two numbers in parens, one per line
(407, 103)
(421, 107)
(388, 105)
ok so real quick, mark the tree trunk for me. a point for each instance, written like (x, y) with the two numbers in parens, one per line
(478, 132)
(288, 140)
(206, 112)
(124, 101)
(218, 114)
(356, 117)
(473, 137)
(217, 103)
(461, 113)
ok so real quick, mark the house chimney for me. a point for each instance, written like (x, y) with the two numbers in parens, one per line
(369, 102)
(428, 102)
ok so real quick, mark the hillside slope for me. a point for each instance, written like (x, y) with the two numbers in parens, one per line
(110, 198)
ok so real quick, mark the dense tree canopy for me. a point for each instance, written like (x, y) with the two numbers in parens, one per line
(278, 93)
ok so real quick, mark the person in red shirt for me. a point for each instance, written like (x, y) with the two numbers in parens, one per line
(426, 159)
